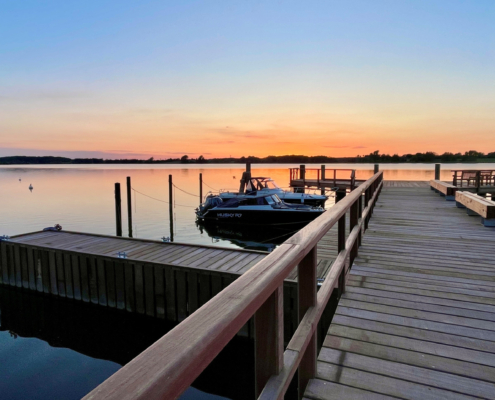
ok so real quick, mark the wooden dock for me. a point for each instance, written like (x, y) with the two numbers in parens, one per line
(417, 320)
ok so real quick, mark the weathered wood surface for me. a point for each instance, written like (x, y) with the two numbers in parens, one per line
(482, 206)
(408, 184)
(445, 188)
(417, 320)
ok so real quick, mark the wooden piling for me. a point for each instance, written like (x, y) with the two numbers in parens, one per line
(118, 210)
(323, 178)
(200, 187)
(171, 207)
(377, 168)
(437, 171)
(129, 205)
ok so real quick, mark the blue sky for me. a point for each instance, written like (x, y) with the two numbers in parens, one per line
(226, 77)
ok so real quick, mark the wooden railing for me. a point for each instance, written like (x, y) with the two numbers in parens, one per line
(170, 365)
(327, 175)
(476, 178)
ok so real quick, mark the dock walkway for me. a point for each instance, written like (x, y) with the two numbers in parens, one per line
(417, 320)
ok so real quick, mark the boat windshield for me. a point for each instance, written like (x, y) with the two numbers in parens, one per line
(271, 185)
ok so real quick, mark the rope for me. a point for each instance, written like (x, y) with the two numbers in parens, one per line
(204, 183)
(162, 201)
(190, 194)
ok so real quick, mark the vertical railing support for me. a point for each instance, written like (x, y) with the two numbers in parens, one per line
(171, 207)
(306, 277)
(129, 205)
(340, 247)
(269, 338)
(437, 172)
(118, 210)
(353, 221)
(200, 188)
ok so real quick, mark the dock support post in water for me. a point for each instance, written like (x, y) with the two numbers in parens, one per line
(323, 178)
(200, 188)
(118, 210)
(171, 207)
(129, 205)
(377, 168)
(437, 172)
(302, 173)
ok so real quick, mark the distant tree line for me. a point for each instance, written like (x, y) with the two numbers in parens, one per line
(374, 157)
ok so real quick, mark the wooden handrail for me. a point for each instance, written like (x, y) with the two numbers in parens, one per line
(171, 364)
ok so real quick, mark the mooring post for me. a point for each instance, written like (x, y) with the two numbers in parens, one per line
(118, 210)
(302, 176)
(200, 188)
(248, 166)
(171, 207)
(323, 178)
(129, 205)
(377, 168)
(437, 172)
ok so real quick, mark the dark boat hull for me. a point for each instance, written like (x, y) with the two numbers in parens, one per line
(260, 217)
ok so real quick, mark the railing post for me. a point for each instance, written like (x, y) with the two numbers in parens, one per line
(129, 205)
(170, 207)
(437, 172)
(269, 339)
(118, 210)
(307, 298)
(353, 222)
(367, 198)
(360, 216)
(340, 247)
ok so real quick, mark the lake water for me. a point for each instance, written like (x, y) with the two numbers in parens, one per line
(56, 349)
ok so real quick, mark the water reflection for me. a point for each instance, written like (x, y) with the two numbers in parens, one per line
(249, 237)
(62, 332)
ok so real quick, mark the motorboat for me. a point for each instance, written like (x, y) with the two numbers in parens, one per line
(256, 209)
(266, 185)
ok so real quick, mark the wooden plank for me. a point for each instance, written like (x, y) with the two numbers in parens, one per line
(483, 207)
(83, 266)
(424, 376)
(59, 261)
(110, 280)
(160, 291)
(119, 285)
(92, 279)
(181, 294)
(149, 289)
(101, 281)
(5, 268)
(193, 291)
(23, 253)
(17, 266)
(53, 272)
(130, 296)
(31, 269)
(76, 277)
(170, 293)
(68, 276)
(139, 288)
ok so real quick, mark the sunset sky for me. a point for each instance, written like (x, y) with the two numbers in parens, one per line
(226, 78)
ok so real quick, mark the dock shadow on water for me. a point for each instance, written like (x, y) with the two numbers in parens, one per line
(53, 348)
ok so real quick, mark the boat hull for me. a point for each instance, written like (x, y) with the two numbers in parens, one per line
(260, 217)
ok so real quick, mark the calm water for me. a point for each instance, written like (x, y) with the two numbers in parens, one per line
(54, 349)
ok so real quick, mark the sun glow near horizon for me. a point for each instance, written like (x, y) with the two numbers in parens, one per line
(161, 81)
